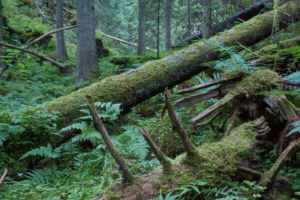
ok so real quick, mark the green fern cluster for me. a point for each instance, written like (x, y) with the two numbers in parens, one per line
(294, 51)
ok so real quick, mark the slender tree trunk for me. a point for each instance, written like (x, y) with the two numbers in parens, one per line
(2, 64)
(206, 18)
(158, 8)
(189, 19)
(61, 47)
(86, 42)
(168, 24)
(142, 27)
(99, 22)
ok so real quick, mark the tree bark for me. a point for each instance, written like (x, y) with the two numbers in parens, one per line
(206, 18)
(2, 64)
(244, 15)
(157, 36)
(86, 42)
(61, 47)
(168, 24)
(142, 28)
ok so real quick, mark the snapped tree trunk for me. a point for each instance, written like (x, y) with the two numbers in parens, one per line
(133, 87)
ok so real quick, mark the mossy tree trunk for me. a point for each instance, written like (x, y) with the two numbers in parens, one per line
(133, 87)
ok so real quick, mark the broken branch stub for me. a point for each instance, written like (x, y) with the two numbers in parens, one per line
(127, 175)
(176, 122)
(163, 159)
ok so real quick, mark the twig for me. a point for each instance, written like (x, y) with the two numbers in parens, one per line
(3, 176)
(248, 49)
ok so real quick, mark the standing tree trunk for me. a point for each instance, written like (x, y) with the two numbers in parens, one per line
(189, 19)
(157, 37)
(2, 64)
(168, 24)
(142, 27)
(61, 47)
(86, 43)
(206, 18)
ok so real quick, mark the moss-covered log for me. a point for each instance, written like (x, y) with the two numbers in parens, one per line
(133, 87)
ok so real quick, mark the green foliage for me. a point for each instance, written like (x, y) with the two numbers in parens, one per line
(132, 142)
(107, 111)
(235, 62)
(43, 176)
(295, 129)
(294, 51)
(43, 151)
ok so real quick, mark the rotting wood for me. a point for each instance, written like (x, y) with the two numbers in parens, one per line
(208, 84)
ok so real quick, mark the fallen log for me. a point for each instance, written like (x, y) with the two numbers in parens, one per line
(133, 87)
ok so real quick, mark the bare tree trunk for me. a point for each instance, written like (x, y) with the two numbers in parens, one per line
(2, 64)
(61, 47)
(142, 27)
(86, 43)
(157, 36)
(206, 18)
(168, 24)
(189, 28)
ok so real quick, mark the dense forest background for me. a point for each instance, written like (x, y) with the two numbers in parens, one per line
(50, 143)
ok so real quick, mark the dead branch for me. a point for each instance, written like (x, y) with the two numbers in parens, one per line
(36, 40)
(176, 122)
(127, 175)
(163, 159)
(49, 33)
(3, 176)
(125, 42)
(208, 84)
(34, 53)
(269, 176)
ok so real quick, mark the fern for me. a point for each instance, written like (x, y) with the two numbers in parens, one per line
(131, 141)
(107, 111)
(293, 51)
(44, 176)
(296, 128)
(43, 151)
(234, 63)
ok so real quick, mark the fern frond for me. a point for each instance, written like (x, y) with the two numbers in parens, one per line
(43, 176)
(79, 126)
(296, 128)
(42, 151)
